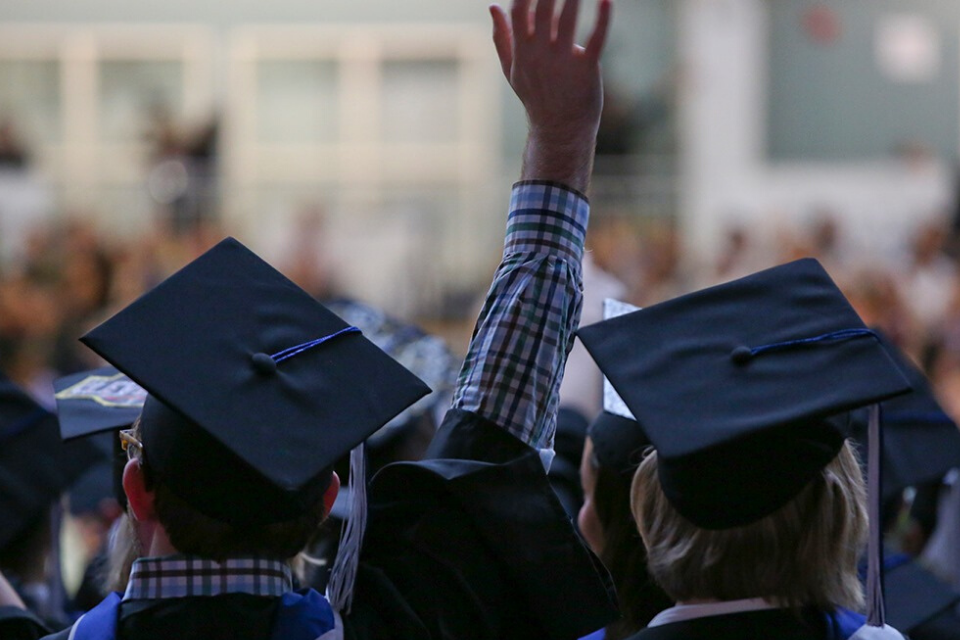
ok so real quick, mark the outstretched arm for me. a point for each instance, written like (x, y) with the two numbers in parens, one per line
(514, 365)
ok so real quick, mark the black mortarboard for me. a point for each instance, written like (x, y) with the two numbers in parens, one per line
(95, 405)
(618, 442)
(255, 388)
(740, 387)
(35, 466)
(920, 441)
(97, 401)
(426, 356)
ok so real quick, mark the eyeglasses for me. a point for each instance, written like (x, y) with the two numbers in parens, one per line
(129, 443)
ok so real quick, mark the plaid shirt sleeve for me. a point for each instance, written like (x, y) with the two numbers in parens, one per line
(515, 361)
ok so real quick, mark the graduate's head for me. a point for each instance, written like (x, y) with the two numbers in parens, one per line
(255, 390)
(744, 390)
(804, 553)
(219, 508)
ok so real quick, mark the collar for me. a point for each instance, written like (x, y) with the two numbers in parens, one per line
(181, 576)
(682, 612)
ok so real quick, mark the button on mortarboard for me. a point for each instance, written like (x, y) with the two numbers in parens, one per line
(736, 442)
(199, 344)
(264, 364)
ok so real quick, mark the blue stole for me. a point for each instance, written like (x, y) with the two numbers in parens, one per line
(845, 623)
(303, 615)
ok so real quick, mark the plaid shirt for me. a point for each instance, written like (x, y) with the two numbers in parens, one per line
(515, 361)
(181, 576)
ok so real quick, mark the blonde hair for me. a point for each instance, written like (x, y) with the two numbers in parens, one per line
(803, 554)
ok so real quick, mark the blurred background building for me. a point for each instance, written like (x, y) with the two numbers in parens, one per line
(367, 148)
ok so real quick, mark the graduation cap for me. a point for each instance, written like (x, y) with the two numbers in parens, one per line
(920, 441)
(742, 388)
(425, 355)
(255, 388)
(94, 405)
(35, 466)
(97, 401)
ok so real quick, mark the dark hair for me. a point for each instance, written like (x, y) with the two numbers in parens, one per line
(192, 532)
(624, 554)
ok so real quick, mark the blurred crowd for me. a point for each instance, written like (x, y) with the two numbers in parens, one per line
(68, 275)
(913, 296)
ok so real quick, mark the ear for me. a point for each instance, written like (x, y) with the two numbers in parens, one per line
(139, 497)
(330, 496)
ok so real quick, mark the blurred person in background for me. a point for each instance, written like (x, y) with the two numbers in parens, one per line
(930, 276)
(13, 152)
(35, 469)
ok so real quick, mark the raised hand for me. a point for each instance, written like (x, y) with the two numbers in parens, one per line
(557, 81)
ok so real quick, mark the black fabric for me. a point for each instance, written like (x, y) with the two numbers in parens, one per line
(455, 549)
(95, 401)
(35, 465)
(945, 626)
(914, 596)
(920, 441)
(466, 436)
(742, 378)
(771, 624)
(478, 550)
(17, 624)
(238, 616)
(277, 384)
(564, 473)
(618, 442)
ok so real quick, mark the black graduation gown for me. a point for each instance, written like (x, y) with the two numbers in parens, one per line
(472, 543)
(17, 624)
(769, 624)
(469, 544)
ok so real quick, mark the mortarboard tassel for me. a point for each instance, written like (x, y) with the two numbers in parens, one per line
(344, 572)
(876, 616)
(875, 627)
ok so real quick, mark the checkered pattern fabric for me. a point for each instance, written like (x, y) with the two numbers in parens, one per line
(181, 576)
(514, 365)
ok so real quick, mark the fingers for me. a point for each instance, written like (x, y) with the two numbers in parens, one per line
(502, 39)
(599, 36)
(520, 18)
(568, 23)
(543, 22)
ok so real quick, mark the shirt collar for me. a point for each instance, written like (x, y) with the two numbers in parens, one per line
(682, 612)
(181, 576)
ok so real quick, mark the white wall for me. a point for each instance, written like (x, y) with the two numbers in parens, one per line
(725, 177)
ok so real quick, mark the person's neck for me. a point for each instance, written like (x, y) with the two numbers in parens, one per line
(154, 541)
